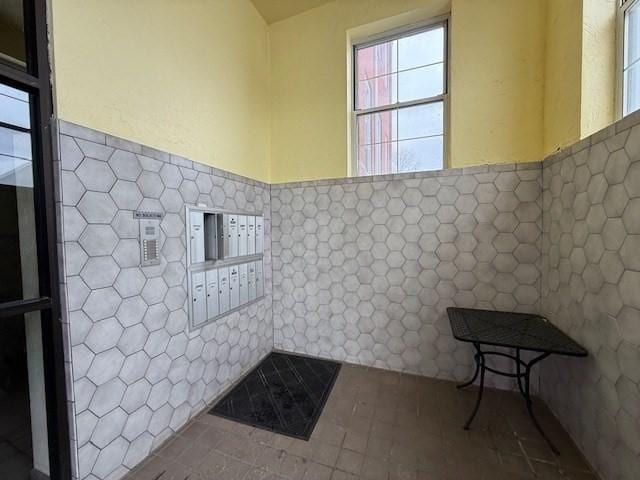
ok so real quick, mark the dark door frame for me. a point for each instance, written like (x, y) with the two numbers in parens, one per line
(36, 80)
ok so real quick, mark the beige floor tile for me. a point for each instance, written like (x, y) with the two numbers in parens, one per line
(315, 471)
(324, 453)
(350, 461)
(355, 441)
(258, 474)
(340, 475)
(293, 467)
(379, 425)
(374, 469)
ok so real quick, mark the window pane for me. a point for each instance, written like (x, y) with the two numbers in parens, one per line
(421, 49)
(376, 60)
(406, 69)
(377, 127)
(420, 154)
(421, 82)
(377, 92)
(12, 44)
(403, 140)
(420, 121)
(15, 144)
(18, 254)
(14, 107)
(631, 89)
(632, 35)
(377, 159)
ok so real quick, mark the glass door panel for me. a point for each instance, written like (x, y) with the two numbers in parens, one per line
(18, 253)
(23, 428)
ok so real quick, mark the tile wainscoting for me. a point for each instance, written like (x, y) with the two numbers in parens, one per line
(591, 289)
(358, 270)
(365, 268)
(137, 374)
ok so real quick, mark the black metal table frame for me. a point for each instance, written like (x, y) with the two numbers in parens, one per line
(520, 375)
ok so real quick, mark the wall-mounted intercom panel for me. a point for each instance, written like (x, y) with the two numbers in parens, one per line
(224, 261)
(149, 237)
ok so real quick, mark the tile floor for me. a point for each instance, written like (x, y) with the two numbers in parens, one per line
(378, 425)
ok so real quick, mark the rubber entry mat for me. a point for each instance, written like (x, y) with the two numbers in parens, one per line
(284, 394)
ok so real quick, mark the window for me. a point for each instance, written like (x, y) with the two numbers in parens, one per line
(400, 94)
(630, 56)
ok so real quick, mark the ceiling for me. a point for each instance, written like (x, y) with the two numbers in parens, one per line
(275, 10)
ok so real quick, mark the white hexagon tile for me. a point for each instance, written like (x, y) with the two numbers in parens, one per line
(138, 373)
(364, 268)
(358, 270)
(591, 289)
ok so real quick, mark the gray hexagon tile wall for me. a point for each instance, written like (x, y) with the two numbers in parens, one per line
(359, 270)
(136, 372)
(591, 289)
(364, 268)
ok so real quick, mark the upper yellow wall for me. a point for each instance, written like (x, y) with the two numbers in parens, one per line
(209, 80)
(598, 65)
(497, 81)
(563, 70)
(309, 84)
(497, 84)
(580, 70)
(188, 77)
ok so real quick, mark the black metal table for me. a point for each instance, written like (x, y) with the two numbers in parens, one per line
(519, 331)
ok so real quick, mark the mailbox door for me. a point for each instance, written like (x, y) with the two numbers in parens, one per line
(251, 235)
(223, 289)
(212, 294)
(196, 236)
(234, 287)
(244, 288)
(259, 280)
(242, 235)
(259, 234)
(232, 235)
(252, 281)
(198, 298)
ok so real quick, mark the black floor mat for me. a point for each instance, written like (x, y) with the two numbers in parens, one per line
(284, 394)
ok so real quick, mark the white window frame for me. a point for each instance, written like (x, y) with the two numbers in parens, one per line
(624, 6)
(444, 97)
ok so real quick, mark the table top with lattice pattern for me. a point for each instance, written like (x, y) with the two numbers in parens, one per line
(525, 331)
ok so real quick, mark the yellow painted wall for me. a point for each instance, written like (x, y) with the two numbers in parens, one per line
(563, 70)
(598, 65)
(189, 77)
(209, 80)
(497, 81)
(309, 58)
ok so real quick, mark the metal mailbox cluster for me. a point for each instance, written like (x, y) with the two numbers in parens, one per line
(224, 251)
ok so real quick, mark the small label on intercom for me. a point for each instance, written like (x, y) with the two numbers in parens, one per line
(140, 214)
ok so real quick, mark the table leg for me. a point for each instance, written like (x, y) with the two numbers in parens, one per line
(527, 396)
(519, 374)
(476, 357)
(480, 367)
